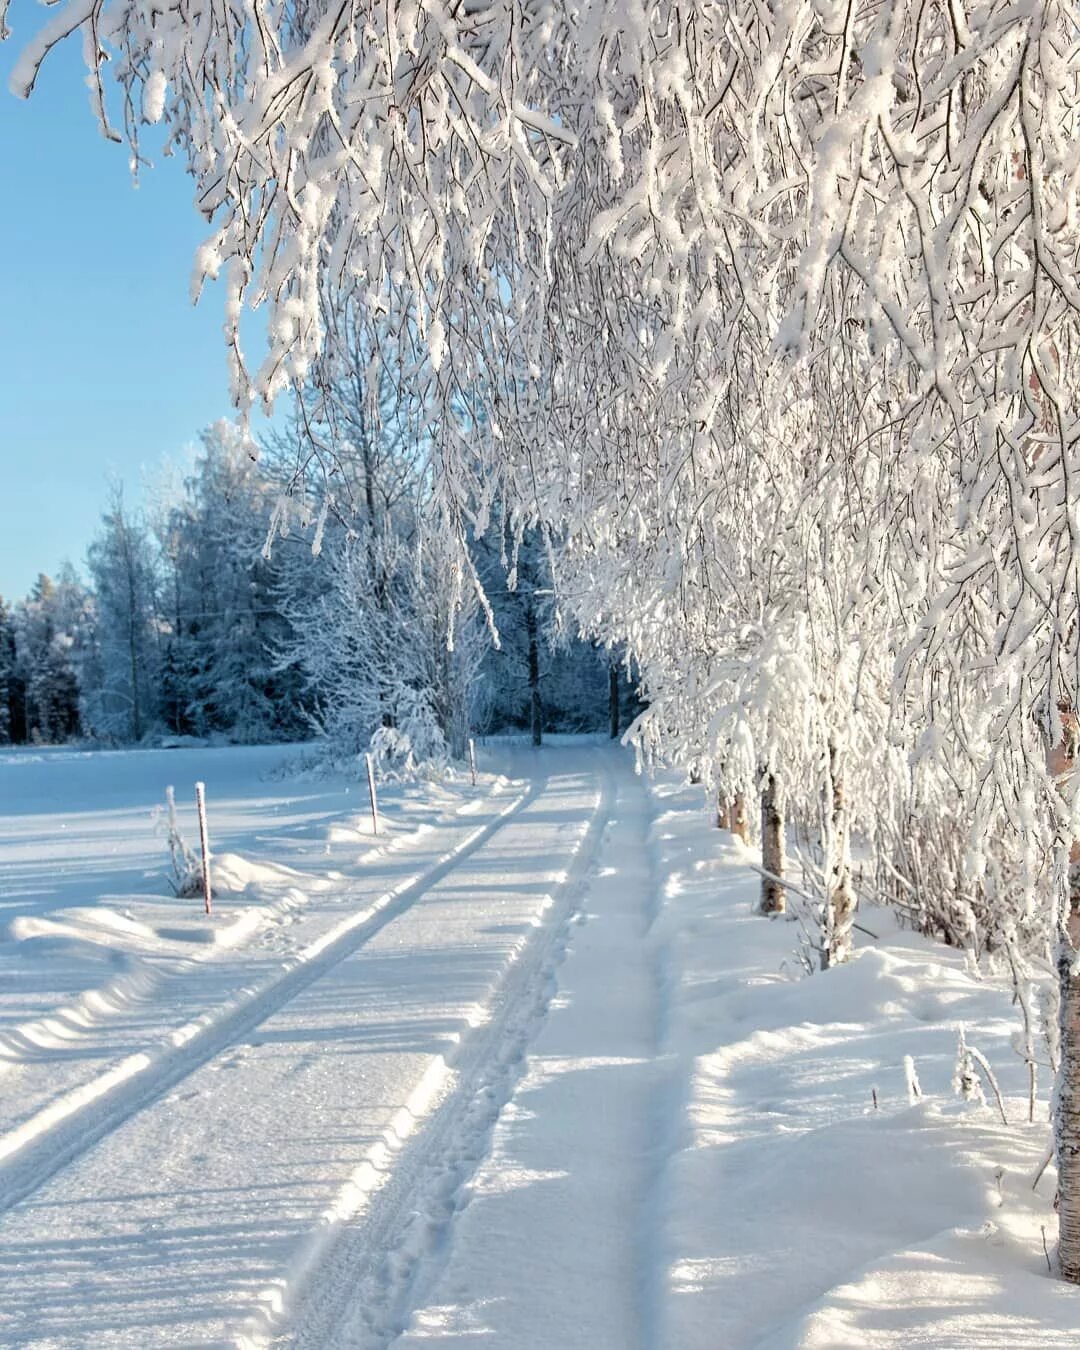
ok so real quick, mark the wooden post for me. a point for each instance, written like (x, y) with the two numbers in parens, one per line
(472, 759)
(371, 793)
(204, 840)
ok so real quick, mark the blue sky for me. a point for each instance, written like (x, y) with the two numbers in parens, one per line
(106, 369)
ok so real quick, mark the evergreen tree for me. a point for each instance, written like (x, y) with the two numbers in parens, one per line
(539, 678)
(224, 596)
(122, 694)
(46, 642)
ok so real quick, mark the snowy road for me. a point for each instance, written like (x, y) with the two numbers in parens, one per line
(527, 1073)
(306, 1133)
(560, 1241)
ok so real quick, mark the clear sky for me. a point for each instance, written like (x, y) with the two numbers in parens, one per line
(106, 369)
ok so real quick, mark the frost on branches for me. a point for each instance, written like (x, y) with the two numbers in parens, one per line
(768, 315)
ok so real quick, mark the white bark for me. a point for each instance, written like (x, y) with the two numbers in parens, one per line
(839, 894)
(1067, 1116)
(773, 900)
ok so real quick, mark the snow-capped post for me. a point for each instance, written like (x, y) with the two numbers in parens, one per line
(371, 792)
(472, 760)
(204, 842)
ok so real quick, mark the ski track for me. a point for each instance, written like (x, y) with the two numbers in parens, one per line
(126, 1221)
(566, 1196)
(53, 1137)
(51, 1061)
(359, 1295)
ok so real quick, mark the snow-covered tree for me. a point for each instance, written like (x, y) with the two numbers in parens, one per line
(220, 604)
(377, 661)
(767, 312)
(47, 625)
(122, 687)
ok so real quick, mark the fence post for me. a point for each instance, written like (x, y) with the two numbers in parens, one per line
(204, 840)
(371, 793)
(472, 759)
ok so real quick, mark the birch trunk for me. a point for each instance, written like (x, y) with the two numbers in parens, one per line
(731, 815)
(1067, 1114)
(773, 900)
(839, 895)
(1061, 763)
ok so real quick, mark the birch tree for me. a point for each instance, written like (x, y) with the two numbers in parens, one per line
(626, 242)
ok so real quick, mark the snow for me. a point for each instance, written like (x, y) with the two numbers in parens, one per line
(693, 1157)
(564, 1194)
(83, 849)
(530, 1072)
(829, 1222)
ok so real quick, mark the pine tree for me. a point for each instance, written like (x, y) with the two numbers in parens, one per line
(223, 597)
(538, 678)
(47, 642)
(123, 701)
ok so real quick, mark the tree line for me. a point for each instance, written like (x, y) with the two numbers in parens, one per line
(186, 624)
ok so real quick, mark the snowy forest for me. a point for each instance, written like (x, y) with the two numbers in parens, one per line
(725, 351)
(187, 626)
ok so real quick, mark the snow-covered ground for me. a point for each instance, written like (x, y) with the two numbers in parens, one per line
(526, 1072)
(84, 864)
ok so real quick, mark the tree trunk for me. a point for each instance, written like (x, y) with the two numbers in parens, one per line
(773, 900)
(536, 710)
(613, 699)
(839, 895)
(133, 651)
(1061, 762)
(1067, 1115)
(731, 815)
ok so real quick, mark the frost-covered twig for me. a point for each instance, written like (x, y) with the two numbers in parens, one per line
(186, 879)
(967, 1084)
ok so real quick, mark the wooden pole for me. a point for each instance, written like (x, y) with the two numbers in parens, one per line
(472, 759)
(204, 840)
(371, 793)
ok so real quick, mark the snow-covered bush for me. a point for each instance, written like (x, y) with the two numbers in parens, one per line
(186, 877)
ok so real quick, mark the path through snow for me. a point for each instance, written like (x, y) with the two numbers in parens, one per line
(209, 1196)
(536, 1077)
(556, 1243)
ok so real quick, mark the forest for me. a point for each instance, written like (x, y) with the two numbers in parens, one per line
(188, 626)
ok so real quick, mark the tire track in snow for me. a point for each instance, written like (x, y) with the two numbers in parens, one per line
(92, 1008)
(58, 1135)
(356, 1281)
(557, 1245)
